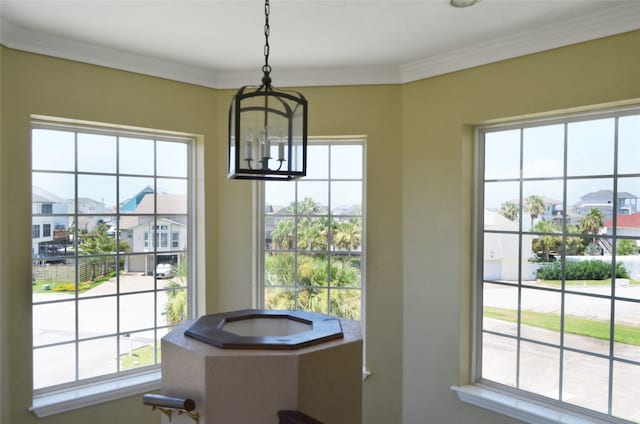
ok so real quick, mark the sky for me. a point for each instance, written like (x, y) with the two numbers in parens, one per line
(341, 162)
(590, 153)
(54, 150)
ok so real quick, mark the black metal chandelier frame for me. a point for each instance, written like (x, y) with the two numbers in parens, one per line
(290, 106)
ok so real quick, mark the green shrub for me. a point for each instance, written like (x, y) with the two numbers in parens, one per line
(104, 278)
(592, 249)
(585, 270)
(627, 247)
(71, 287)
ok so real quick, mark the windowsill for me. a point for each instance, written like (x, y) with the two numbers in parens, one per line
(525, 409)
(82, 396)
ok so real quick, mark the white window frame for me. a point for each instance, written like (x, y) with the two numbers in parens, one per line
(514, 402)
(86, 392)
(260, 201)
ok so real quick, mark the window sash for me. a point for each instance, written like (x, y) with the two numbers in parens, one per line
(188, 253)
(314, 250)
(521, 232)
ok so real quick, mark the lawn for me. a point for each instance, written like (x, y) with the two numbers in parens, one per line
(607, 282)
(628, 334)
(47, 286)
(40, 286)
(140, 357)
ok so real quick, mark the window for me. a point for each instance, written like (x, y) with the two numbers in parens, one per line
(99, 311)
(175, 240)
(313, 234)
(35, 231)
(46, 230)
(164, 239)
(47, 209)
(558, 270)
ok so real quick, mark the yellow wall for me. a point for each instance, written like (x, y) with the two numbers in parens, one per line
(418, 204)
(374, 111)
(35, 84)
(437, 196)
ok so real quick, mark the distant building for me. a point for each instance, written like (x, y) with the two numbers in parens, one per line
(91, 212)
(166, 234)
(49, 224)
(553, 210)
(627, 203)
(627, 225)
(501, 250)
(130, 205)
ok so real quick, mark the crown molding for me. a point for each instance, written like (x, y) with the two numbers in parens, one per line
(18, 38)
(614, 20)
(308, 77)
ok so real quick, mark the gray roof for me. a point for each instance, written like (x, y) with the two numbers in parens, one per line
(40, 195)
(607, 194)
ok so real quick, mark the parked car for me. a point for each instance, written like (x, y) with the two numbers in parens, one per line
(165, 271)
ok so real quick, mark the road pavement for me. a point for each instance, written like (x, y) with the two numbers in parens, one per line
(97, 316)
(585, 378)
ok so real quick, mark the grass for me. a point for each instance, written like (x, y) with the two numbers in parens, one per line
(627, 334)
(39, 286)
(558, 283)
(140, 357)
(49, 286)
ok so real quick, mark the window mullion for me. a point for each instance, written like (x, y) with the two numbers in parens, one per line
(77, 262)
(614, 268)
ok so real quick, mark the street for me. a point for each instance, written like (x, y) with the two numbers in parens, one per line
(585, 378)
(56, 322)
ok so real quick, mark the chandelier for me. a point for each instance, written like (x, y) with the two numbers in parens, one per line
(267, 128)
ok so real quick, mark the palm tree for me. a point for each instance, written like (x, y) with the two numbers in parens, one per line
(282, 235)
(546, 243)
(308, 206)
(312, 233)
(175, 310)
(534, 206)
(592, 222)
(510, 210)
(97, 242)
(347, 235)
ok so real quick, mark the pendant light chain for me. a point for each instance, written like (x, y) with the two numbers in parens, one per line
(267, 30)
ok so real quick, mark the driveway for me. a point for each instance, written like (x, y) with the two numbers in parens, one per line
(138, 308)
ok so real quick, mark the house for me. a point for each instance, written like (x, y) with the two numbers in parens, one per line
(553, 210)
(602, 200)
(130, 204)
(92, 212)
(49, 230)
(419, 199)
(171, 232)
(497, 246)
(626, 225)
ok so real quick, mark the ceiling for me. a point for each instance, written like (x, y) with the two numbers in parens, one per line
(218, 43)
